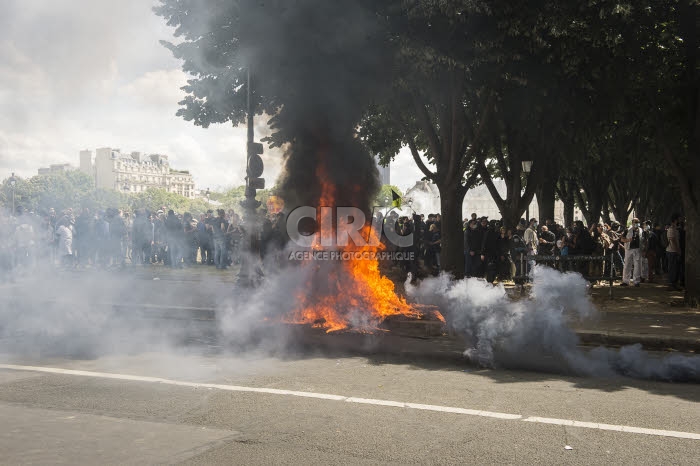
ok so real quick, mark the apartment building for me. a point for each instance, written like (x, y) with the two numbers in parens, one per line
(135, 172)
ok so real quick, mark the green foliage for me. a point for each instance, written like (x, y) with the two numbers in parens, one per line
(383, 198)
(231, 199)
(74, 189)
(42, 192)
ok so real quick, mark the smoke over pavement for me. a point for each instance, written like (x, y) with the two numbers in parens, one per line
(532, 333)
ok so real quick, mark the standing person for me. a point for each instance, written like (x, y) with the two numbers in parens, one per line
(219, 229)
(469, 227)
(633, 254)
(64, 236)
(142, 238)
(531, 242)
(173, 236)
(652, 247)
(490, 253)
(102, 239)
(504, 246)
(659, 234)
(158, 249)
(84, 231)
(117, 237)
(190, 243)
(209, 221)
(476, 248)
(601, 244)
(435, 246)
(203, 238)
(547, 241)
(673, 253)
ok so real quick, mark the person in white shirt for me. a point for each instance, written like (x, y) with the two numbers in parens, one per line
(64, 235)
(633, 255)
(531, 242)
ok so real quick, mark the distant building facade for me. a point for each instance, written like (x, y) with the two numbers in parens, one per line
(55, 168)
(135, 172)
(384, 172)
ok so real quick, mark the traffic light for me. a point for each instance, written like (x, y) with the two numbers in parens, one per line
(255, 163)
(255, 166)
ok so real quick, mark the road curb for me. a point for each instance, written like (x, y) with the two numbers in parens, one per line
(434, 332)
(648, 341)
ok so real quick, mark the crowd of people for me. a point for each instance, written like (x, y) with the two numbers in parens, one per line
(635, 254)
(114, 238)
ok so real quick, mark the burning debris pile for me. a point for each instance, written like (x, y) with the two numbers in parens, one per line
(347, 294)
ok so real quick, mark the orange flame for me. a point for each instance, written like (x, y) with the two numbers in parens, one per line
(349, 293)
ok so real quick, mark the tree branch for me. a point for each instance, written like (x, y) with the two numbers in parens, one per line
(486, 178)
(429, 130)
(416, 157)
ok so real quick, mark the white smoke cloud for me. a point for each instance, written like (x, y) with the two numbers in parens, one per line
(533, 332)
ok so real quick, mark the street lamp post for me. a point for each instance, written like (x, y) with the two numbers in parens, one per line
(527, 166)
(13, 183)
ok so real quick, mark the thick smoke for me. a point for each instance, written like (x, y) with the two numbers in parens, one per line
(533, 332)
(321, 61)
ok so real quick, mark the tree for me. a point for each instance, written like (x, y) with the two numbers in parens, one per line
(385, 195)
(40, 193)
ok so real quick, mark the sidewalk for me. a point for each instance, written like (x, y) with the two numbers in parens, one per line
(649, 315)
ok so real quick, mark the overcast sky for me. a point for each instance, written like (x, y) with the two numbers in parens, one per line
(82, 74)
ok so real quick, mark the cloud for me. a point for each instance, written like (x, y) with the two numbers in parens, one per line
(82, 74)
(159, 88)
(85, 74)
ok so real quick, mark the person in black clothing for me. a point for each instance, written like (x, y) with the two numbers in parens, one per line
(174, 235)
(202, 238)
(219, 229)
(652, 248)
(428, 257)
(84, 237)
(489, 253)
(158, 251)
(190, 239)
(476, 248)
(546, 242)
(142, 238)
(117, 233)
(468, 251)
(435, 247)
(504, 245)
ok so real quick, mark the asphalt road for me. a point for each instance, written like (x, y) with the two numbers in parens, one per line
(161, 407)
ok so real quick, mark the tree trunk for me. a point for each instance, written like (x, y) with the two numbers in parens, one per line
(511, 216)
(565, 190)
(621, 212)
(606, 212)
(569, 206)
(545, 201)
(452, 235)
(692, 257)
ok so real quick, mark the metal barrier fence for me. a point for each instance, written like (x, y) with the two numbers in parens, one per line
(563, 264)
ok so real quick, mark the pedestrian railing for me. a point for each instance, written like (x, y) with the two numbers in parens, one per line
(569, 264)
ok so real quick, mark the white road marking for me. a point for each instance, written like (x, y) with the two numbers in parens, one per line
(369, 401)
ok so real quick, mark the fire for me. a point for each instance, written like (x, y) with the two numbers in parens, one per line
(349, 293)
